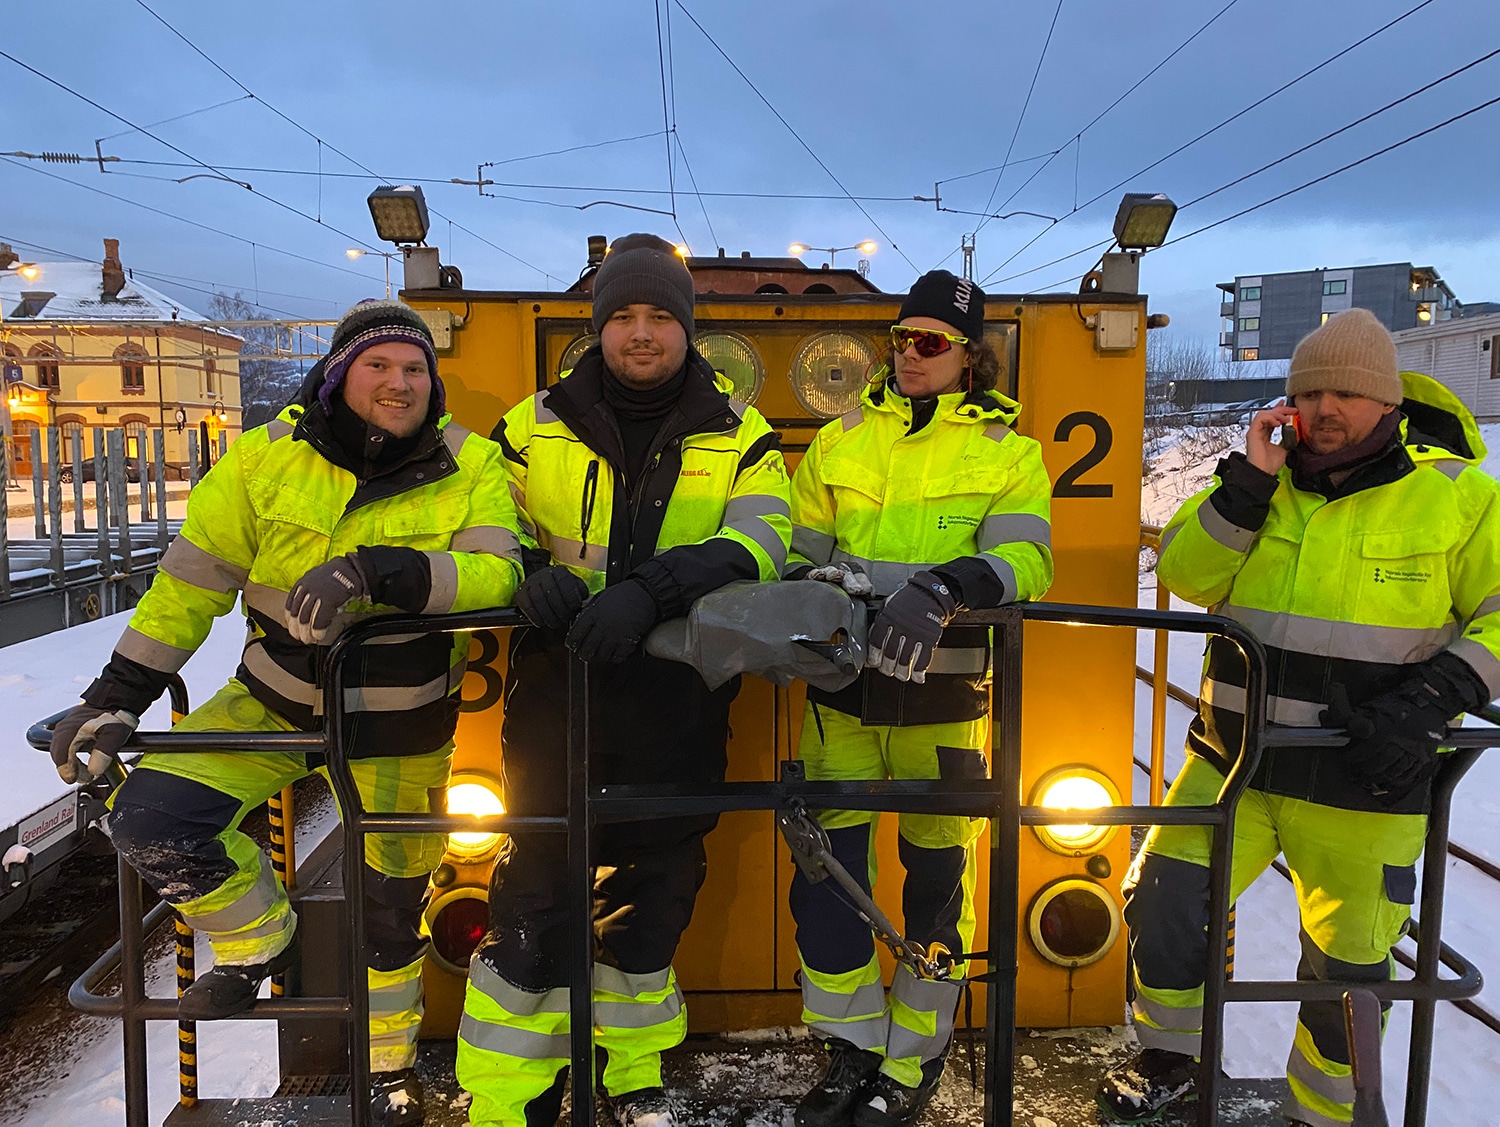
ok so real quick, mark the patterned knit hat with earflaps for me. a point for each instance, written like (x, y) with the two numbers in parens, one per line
(373, 322)
(1351, 352)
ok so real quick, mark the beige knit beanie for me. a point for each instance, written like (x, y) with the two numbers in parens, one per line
(1351, 352)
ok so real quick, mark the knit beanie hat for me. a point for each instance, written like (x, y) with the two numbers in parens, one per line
(956, 301)
(373, 322)
(1351, 352)
(645, 270)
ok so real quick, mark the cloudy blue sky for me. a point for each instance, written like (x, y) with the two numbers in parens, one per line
(890, 97)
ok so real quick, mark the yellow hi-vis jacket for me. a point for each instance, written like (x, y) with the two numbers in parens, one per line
(273, 508)
(964, 487)
(1345, 584)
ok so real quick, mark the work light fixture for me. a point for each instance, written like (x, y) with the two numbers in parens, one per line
(1143, 220)
(400, 213)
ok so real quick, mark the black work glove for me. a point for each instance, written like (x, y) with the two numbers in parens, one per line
(90, 731)
(611, 627)
(1394, 737)
(909, 626)
(552, 597)
(320, 594)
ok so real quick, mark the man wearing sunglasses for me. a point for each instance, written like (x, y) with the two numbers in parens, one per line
(925, 493)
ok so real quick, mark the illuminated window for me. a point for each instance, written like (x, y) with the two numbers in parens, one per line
(1332, 289)
(132, 360)
(1250, 293)
(1249, 324)
(1249, 354)
(1324, 319)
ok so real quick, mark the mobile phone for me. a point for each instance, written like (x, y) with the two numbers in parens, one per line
(1293, 434)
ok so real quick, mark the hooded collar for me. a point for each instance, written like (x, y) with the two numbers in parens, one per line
(986, 407)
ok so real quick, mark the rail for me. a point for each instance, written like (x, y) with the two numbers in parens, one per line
(997, 799)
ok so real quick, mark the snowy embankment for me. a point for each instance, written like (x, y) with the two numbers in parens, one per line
(1466, 1055)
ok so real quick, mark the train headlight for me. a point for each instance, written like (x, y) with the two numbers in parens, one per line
(736, 357)
(575, 350)
(457, 920)
(1073, 922)
(474, 795)
(829, 372)
(1075, 788)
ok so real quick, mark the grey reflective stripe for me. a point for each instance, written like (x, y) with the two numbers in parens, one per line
(1352, 641)
(1179, 1019)
(1172, 1042)
(1279, 710)
(267, 600)
(151, 653)
(544, 414)
(811, 544)
(1489, 606)
(489, 540)
(867, 1001)
(1013, 528)
(755, 505)
(255, 902)
(515, 1042)
(444, 589)
(512, 999)
(1338, 1089)
(887, 576)
(1224, 531)
(613, 980)
(264, 669)
(998, 432)
(453, 437)
(400, 698)
(278, 429)
(766, 538)
(404, 1037)
(1167, 536)
(866, 1033)
(926, 996)
(595, 557)
(1484, 663)
(1006, 574)
(966, 660)
(396, 998)
(1449, 468)
(638, 1015)
(852, 419)
(738, 408)
(186, 561)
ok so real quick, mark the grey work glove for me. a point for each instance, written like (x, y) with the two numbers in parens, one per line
(320, 594)
(909, 627)
(93, 732)
(856, 584)
(552, 597)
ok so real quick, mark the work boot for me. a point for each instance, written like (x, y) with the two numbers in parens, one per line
(1137, 1091)
(645, 1107)
(889, 1103)
(395, 1099)
(230, 988)
(831, 1102)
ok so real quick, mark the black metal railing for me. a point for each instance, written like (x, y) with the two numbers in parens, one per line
(998, 799)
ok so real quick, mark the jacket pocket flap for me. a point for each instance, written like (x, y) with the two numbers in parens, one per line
(847, 473)
(1405, 543)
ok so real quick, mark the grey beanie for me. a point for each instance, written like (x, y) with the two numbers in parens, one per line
(643, 269)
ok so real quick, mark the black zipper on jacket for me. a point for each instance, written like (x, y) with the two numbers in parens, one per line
(586, 516)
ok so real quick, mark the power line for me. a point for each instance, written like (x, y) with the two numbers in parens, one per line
(694, 181)
(1025, 105)
(179, 117)
(667, 123)
(766, 101)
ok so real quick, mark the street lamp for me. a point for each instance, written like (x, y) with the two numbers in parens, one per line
(867, 247)
(356, 252)
(221, 411)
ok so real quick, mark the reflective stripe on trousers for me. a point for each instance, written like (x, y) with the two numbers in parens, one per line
(1322, 1090)
(395, 1016)
(849, 1006)
(512, 1043)
(922, 1013)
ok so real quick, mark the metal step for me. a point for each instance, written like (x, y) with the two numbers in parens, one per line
(277, 1111)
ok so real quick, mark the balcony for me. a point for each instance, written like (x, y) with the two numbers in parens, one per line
(1226, 340)
(1226, 309)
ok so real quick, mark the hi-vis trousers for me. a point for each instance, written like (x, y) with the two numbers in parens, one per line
(1355, 877)
(176, 820)
(842, 994)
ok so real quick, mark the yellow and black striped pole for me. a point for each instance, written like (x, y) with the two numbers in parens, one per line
(1229, 955)
(283, 857)
(187, 1031)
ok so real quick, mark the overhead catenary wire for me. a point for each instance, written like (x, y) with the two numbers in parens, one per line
(667, 123)
(788, 125)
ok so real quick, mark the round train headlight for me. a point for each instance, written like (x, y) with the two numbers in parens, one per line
(736, 357)
(477, 796)
(829, 371)
(1073, 922)
(1075, 788)
(575, 350)
(457, 920)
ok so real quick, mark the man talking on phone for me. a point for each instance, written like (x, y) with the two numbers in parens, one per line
(1365, 555)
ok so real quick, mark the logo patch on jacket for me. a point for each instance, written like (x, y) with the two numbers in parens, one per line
(696, 473)
(958, 521)
(1400, 575)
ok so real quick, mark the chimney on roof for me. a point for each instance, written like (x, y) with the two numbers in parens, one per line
(114, 273)
(8, 257)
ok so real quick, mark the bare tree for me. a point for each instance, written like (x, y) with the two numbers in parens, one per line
(266, 385)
